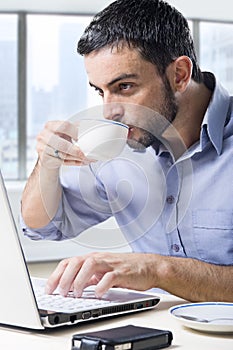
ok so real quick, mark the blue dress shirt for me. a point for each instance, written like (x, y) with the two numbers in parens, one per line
(181, 208)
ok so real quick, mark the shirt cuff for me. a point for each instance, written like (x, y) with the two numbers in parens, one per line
(48, 232)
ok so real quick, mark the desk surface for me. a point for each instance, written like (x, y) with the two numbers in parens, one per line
(60, 339)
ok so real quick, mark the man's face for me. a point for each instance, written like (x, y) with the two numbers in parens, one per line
(132, 92)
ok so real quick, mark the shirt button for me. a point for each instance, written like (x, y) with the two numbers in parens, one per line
(170, 199)
(175, 248)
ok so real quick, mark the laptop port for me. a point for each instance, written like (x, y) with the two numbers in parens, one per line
(73, 318)
(86, 315)
(56, 320)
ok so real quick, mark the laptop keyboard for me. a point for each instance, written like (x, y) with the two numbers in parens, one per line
(69, 304)
(114, 301)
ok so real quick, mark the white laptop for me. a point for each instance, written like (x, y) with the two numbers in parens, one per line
(23, 302)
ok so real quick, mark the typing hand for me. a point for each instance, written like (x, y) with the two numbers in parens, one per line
(105, 270)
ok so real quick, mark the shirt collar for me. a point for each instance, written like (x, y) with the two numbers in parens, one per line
(215, 118)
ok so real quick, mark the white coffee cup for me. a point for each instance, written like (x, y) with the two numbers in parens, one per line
(101, 139)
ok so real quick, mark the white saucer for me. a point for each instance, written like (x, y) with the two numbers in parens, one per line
(215, 311)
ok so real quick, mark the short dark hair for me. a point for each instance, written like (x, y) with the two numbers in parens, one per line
(157, 30)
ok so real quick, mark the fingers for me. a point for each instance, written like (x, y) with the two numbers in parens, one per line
(105, 270)
(55, 145)
(55, 277)
(67, 280)
(63, 276)
(77, 273)
(91, 272)
(64, 129)
(57, 134)
(109, 280)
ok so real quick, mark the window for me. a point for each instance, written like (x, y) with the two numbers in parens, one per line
(8, 96)
(216, 51)
(57, 83)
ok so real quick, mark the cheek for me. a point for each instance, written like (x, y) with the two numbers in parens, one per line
(151, 97)
(138, 115)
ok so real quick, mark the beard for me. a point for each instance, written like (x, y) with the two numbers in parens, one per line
(146, 140)
(154, 129)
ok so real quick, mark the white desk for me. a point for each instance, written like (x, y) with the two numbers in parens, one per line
(60, 339)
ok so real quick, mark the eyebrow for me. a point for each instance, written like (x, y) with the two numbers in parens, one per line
(119, 78)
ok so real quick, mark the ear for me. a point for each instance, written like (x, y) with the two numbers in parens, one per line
(181, 70)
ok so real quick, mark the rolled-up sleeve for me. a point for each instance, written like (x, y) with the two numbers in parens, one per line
(48, 232)
(83, 204)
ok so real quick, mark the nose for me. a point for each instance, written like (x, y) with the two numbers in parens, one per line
(113, 111)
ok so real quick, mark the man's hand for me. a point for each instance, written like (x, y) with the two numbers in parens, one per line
(187, 278)
(105, 270)
(42, 193)
(55, 146)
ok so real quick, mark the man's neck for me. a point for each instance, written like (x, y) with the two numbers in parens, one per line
(186, 127)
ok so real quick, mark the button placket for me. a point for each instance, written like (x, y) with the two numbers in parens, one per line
(170, 199)
(174, 178)
(175, 247)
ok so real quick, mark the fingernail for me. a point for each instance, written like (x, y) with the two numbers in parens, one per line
(98, 295)
(62, 291)
(48, 290)
(77, 293)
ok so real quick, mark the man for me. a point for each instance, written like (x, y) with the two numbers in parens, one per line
(172, 195)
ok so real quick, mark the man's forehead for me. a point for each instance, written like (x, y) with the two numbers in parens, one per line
(108, 65)
(114, 53)
(112, 62)
(123, 60)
